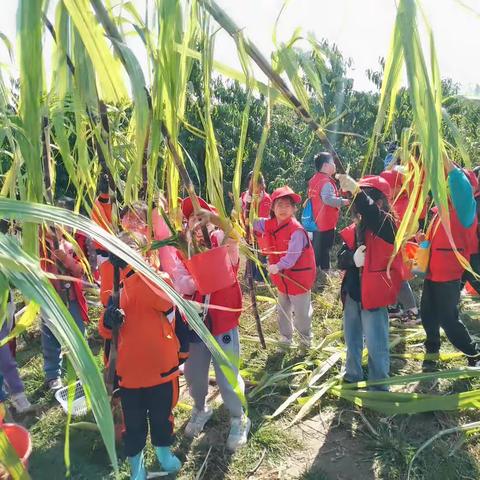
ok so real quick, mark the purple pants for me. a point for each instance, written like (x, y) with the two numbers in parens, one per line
(8, 365)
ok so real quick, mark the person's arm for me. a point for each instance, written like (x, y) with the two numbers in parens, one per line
(378, 221)
(461, 193)
(182, 280)
(65, 255)
(330, 198)
(296, 245)
(259, 225)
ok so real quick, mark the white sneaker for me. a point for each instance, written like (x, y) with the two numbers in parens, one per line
(20, 403)
(238, 435)
(197, 422)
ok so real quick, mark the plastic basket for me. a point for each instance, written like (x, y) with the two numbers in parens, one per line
(20, 440)
(211, 270)
(79, 404)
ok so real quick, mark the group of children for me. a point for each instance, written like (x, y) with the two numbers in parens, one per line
(154, 344)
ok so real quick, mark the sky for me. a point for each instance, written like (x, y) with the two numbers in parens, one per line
(360, 28)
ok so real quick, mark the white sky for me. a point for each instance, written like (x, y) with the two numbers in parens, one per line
(360, 28)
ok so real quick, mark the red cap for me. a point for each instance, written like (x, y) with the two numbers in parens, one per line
(187, 206)
(285, 191)
(377, 182)
(393, 177)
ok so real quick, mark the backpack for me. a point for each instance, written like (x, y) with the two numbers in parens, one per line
(308, 221)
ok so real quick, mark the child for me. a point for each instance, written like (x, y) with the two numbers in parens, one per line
(56, 253)
(147, 367)
(441, 287)
(291, 264)
(372, 280)
(223, 325)
(326, 204)
(259, 200)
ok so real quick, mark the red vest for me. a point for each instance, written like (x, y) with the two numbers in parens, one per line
(220, 321)
(400, 205)
(444, 265)
(379, 288)
(300, 278)
(326, 217)
(264, 205)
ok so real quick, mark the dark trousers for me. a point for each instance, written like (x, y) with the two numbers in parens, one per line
(322, 244)
(439, 308)
(148, 406)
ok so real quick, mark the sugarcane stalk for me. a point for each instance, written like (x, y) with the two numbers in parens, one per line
(186, 180)
(251, 282)
(226, 22)
(103, 117)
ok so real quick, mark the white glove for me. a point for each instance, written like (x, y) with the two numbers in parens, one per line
(359, 256)
(273, 269)
(347, 183)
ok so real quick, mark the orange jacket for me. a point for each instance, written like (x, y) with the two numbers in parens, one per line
(148, 346)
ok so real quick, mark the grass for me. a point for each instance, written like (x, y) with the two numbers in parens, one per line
(334, 441)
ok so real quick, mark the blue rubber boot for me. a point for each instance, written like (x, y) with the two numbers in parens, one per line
(137, 467)
(169, 462)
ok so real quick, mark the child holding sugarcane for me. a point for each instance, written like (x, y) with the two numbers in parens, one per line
(151, 346)
(372, 277)
(291, 265)
(442, 284)
(58, 257)
(221, 313)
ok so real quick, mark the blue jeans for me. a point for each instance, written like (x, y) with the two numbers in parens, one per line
(52, 351)
(373, 326)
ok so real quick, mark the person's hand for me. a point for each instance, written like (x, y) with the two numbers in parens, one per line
(248, 197)
(420, 237)
(273, 269)
(203, 217)
(359, 256)
(345, 202)
(347, 183)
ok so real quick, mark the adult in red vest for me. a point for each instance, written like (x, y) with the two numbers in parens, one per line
(372, 278)
(442, 285)
(256, 198)
(221, 313)
(326, 204)
(291, 262)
